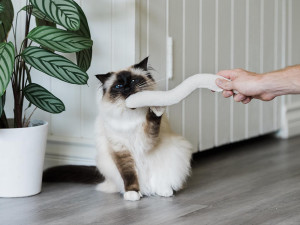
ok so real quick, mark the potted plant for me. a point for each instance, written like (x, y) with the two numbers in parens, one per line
(22, 141)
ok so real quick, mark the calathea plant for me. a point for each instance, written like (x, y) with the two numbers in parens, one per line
(17, 61)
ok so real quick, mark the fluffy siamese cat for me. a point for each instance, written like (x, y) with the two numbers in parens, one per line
(138, 153)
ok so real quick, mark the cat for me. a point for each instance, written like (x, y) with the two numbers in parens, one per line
(138, 153)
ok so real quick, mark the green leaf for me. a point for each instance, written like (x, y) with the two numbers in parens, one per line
(84, 57)
(37, 13)
(61, 12)
(7, 58)
(59, 40)
(41, 22)
(43, 99)
(6, 17)
(54, 65)
(84, 29)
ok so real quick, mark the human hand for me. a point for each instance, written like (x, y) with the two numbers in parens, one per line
(249, 85)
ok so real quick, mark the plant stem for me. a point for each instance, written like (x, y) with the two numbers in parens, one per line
(20, 78)
(3, 121)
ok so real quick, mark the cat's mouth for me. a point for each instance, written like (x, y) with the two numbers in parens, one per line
(129, 93)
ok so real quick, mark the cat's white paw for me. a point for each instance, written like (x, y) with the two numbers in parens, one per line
(132, 195)
(107, 187)
(158, 110)
(168, 192)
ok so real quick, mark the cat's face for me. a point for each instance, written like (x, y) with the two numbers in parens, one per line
(117, 86)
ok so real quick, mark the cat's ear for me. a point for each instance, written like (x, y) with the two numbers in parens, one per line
(103, 77)
(142, 64)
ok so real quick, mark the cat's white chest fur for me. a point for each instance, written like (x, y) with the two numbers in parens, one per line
(122, 126)
(125, 122)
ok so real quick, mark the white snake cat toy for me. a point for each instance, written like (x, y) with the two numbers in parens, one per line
(177, 94)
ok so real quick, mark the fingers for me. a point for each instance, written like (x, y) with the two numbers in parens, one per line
(225, 73)
(239, 97)
(227, 94)
(229, 74)
(224, 84)
(247, 100)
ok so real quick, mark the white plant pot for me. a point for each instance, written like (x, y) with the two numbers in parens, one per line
(22, 153)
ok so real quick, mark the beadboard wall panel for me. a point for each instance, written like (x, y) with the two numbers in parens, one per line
(223, 61)
(191, 66)
(176, 29)
(207, 61)
(290, 125)
(238, 60)
(221, 34)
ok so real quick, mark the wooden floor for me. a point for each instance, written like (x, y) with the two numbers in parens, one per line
(253, 182)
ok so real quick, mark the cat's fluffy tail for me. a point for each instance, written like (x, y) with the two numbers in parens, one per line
(73, 174)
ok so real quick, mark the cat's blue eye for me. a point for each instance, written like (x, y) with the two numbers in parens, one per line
(132, 81)
(119, 86)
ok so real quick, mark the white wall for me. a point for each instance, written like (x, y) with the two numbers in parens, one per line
(208, 35)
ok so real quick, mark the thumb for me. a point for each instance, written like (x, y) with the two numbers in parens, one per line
(224, 84)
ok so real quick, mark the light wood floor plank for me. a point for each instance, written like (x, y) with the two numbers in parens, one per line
(252, 182)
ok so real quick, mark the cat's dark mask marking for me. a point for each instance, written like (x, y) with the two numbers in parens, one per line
(103, 77)
(126, 84)
(142, 64)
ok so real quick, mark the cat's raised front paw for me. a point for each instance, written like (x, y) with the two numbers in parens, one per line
(158, 110)
(132, 196)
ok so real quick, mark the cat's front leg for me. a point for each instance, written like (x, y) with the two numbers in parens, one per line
(158, 110)
(126, 166)
(152, 127)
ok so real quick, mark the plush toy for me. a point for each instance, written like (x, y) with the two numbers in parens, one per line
(171, 97)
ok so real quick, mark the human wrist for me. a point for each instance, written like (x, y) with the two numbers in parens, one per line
(281, 82)
(273, 84)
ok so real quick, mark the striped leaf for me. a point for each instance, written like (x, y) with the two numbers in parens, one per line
(41, 22)
(84, 29)
(43, 99)
(59, 40)
(64, 13)
(54, 65)
(7, 58)
(6, 18)
(37, 13)
(84, 57)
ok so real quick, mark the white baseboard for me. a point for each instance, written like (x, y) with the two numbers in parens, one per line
(69, 151)
(290, 121)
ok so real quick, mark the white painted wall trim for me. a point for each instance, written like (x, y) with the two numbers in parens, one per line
(290, 126)
(66, 151)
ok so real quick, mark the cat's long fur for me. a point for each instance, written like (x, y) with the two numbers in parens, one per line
(137, 152)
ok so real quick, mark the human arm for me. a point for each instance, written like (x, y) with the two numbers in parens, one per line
(264, 86)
